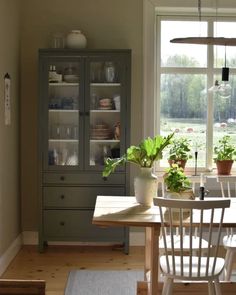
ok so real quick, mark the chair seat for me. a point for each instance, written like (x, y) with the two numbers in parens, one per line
(186, 242)
(186, 260)
(230, 241)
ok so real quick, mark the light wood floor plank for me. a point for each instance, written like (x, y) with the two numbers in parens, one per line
(54, 265)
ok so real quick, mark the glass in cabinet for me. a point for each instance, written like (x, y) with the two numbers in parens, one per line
(86, 121)
(63, 113)
(107, 128)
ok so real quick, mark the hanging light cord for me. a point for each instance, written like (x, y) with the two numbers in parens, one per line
(225, 56)
(199, 10)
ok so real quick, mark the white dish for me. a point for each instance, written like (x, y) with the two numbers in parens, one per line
(105, 108)
(71, 78)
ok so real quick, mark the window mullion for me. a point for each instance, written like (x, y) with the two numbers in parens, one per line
(210, 102)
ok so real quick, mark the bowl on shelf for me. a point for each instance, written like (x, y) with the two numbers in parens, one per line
(105, 103)
(69, 78)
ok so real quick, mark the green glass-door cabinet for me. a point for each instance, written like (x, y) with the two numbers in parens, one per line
(84, 117)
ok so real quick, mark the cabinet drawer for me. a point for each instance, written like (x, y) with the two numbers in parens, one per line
(71, 197)
(83, 178)
(77, 225)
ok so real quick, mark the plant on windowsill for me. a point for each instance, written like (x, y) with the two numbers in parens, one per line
(144, 155)
(179, 151)
(178, 185)
(225, 155)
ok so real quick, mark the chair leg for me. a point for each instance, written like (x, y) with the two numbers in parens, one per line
(167, 286)
(211, 289)
(227, 255)
(217, 287)
(165, 283)
(229, 264)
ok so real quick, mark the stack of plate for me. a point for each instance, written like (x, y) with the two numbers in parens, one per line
(101, 131)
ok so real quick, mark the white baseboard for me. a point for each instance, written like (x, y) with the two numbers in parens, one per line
(10, 253)
(31, 238)
(135, 239)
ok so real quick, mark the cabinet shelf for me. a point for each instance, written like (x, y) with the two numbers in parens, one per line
(104, 140)
(104, 84)
(104, 111)
(62, 111)
(63, 84)
(64, 140)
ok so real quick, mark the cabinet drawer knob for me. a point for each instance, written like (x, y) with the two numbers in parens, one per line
(62, 197)
(62, 223)
(62, 178)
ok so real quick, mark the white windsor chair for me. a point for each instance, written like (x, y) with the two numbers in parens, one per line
(228, 190)
(175, 263)
(195, 182)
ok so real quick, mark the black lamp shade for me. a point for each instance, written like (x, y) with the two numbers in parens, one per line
(225, 74)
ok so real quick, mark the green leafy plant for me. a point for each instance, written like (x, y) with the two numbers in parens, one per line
(176, 180)
(180, 149)
(225, 149)
(143, 155)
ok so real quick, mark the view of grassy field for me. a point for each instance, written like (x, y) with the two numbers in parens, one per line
(195, 130)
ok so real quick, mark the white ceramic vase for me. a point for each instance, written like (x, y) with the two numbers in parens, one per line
(145, 187)
(76, 40)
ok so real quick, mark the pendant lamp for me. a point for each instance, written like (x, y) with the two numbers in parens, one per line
(224, 89)
(205, 40)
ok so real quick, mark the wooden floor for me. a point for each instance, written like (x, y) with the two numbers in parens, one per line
(54, 264)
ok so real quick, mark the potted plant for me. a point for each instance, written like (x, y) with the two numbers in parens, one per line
(179, 151)
(178, 185)
(225, 154)
(144, 155)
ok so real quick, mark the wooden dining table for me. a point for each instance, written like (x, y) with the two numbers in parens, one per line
(125, 211)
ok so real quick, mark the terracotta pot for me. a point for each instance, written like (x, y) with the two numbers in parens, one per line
(224, 166)
(181, 163)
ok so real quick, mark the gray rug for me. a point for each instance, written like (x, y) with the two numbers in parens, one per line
(98, 282)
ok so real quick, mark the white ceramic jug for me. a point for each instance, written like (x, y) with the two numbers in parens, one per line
(75, 39)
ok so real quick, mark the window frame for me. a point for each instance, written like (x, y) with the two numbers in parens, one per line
(209, 71)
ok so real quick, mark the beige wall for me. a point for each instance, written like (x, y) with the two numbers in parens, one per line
(107, 24)
(9, 135)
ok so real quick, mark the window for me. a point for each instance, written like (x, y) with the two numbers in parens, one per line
(185, 72)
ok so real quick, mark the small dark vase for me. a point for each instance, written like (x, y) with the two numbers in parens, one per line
(115, 153)
(224, 166)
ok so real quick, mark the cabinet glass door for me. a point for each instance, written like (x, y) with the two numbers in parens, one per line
(63, 114)
(105, 104)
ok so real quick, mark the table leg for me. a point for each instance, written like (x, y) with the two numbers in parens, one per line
(152, 257)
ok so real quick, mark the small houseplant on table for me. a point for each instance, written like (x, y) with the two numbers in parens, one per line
(178, 185)
(225, 154)
(144, 155)
(179, 151)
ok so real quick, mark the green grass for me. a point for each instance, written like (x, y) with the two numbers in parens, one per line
(197, 137)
